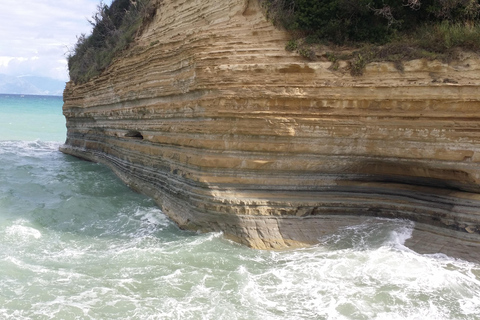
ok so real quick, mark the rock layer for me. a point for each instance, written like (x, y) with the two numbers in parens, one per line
(208, 114)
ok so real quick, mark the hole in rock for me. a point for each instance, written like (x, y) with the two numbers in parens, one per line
(134, 134)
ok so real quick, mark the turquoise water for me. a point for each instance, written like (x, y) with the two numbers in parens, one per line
(75, 243)
(24, 117)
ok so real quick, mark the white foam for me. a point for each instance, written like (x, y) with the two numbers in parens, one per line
(152, 216)
(402, 233)
(131, 272)
(25, 148)
(23, 233)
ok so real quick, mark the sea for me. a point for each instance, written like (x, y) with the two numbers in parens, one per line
(76, 243)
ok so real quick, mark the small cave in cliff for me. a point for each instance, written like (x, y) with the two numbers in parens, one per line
(134, 134)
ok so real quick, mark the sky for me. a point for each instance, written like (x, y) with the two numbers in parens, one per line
(37, 35)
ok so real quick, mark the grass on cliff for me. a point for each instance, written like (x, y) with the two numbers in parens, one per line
(378, 30)
(114, 28)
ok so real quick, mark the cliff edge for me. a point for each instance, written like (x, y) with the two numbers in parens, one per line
(209, 115)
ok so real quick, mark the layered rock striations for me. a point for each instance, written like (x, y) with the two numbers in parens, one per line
(208, 114)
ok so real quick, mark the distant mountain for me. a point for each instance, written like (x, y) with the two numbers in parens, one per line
(31, 85)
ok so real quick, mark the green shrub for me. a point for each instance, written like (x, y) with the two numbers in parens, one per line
(444, 36)
(114, 28)
(291, 45)
(307, 53)
(374, 21)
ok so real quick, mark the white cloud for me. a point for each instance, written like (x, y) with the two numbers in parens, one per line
(45, 66)
(5, 60)
(36, 35)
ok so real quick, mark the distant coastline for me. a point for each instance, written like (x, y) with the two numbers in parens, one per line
(30, 95)
(32, 85)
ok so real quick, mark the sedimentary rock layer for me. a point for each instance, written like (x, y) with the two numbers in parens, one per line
(208, 114)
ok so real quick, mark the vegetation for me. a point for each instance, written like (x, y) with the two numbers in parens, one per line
(114, 28)
(380, 30)
(377, 30)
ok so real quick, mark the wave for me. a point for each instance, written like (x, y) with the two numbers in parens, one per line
(28, 148)
(77, 243)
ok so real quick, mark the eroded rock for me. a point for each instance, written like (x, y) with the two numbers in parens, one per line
(208, 114)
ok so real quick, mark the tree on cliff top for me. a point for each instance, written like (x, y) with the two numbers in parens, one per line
(374, 21)
(114, 28)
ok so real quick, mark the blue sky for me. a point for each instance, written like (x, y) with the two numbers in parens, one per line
(36, 35)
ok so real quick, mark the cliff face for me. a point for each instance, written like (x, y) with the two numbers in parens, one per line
(209, 115)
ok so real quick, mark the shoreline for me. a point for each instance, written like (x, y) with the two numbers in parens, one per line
(274, 232)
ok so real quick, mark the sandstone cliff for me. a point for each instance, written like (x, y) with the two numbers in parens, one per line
(208, 114)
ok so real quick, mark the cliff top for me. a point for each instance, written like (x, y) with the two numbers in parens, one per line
(355, 31)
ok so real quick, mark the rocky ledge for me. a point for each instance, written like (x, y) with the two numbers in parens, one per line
(209, 115)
